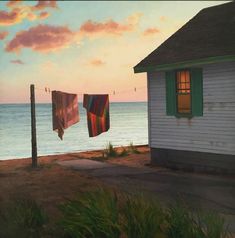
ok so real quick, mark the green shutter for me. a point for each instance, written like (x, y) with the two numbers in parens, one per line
(197, 92)
(170, 93)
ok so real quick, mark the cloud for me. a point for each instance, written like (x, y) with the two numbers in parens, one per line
(110, 26)
(90, 27)
(96, 62)
(134, 19)
(3, 35)
(41, 38)
(31, 16)
(42, 4)
(44, 15)
(17, 61)
(47, 38)
(151, 31)
(20, 12)
(16, 15)
(11, 18)
(13, 3)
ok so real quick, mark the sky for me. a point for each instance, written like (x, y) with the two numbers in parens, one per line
(83, 46)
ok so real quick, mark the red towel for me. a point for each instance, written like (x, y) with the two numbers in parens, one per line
(97, 106)
(64, 111)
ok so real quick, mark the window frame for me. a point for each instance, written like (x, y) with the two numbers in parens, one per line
(179, 114)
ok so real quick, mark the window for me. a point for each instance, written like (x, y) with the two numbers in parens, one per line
(184, 92)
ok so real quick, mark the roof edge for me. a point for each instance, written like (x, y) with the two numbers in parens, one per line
(184, 64)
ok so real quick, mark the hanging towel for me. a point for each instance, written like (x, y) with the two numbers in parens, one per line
(97, 106)
(64, 111)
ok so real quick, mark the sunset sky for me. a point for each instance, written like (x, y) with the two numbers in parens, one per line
(83, 47)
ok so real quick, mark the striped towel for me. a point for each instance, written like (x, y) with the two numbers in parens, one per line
(97, 106)
(64, 111)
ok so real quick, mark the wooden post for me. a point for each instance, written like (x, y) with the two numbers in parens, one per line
(33, 127)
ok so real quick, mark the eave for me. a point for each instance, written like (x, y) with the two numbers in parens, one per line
(184, 64)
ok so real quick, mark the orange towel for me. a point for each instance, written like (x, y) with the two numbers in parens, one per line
(64, 111)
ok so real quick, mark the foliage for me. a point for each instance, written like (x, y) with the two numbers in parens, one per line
(133, 149)
(110, 151)
(93, 215)
(179, 222)
(142, 218)
(124, 152)
(105, 214)
(22, 218)
(184, 223)
(210, 225)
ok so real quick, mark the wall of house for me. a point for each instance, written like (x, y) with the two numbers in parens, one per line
(214, 132)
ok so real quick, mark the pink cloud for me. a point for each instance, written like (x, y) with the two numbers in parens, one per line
(41, 38)
(44, 15)
(13, 3)
(17, 61)
(46, 38)
(20, 12)
(3, 35)
(10, 18)
(151, 31)
(31, 16)
(96, 62)
(110, 27)
(42, 4)
(16, 15)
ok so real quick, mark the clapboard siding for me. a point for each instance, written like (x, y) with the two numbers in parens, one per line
(214, 132)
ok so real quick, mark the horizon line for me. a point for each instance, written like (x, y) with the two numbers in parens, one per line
(10, 103)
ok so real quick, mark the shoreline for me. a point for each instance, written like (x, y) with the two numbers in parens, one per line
(74, 152)
(68, 155)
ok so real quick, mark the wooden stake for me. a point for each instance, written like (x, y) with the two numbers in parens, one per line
(33, 127)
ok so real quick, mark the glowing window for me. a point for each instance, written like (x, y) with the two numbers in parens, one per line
(183, 92)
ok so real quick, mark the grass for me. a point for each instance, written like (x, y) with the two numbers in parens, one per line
(141, 218)
(124, 152)
(183, 223)
(111, 152)
(93, 215)
(133, 149)
(22, 218)
(105, 213)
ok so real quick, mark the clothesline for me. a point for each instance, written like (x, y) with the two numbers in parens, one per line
(65, 113)
(111, 92)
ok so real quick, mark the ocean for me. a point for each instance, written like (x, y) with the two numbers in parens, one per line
(128, 123)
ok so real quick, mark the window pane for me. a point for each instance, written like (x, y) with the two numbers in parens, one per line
(183, 92)
(184, 103)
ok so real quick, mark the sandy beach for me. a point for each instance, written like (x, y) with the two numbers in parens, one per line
(51, 184)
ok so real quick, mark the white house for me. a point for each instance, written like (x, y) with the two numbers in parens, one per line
(191, 94)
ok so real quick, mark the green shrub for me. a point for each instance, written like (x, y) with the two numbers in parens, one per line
(92, 214)
(141, 218)
(184, 223)
(124, 152)
(110, 151)
(179, 222)
(210, 225)
(133, 149)
(22, 218)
